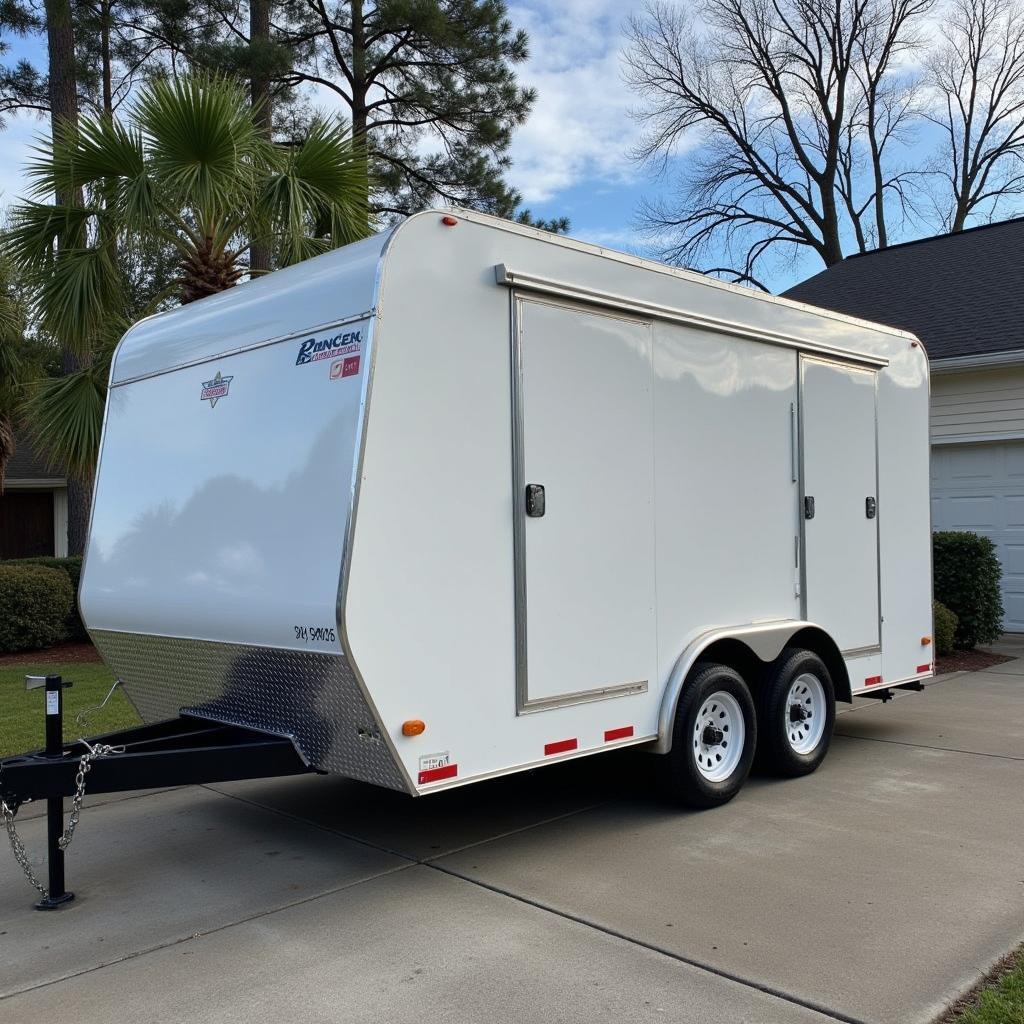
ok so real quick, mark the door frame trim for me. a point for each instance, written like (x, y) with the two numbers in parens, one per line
(802, 357)
(524, 703)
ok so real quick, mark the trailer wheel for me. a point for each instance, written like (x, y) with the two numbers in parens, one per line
(714, 738)
(798, 714)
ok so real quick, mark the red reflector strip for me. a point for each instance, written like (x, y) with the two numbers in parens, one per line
(446, 771)
(924, 668)
(618, 734)
(560, 747)
(872, 680)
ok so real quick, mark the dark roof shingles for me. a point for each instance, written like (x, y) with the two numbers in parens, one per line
(961, 294)
(28, 464)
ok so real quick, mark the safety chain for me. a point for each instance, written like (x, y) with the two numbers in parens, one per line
(20, 853)
(84, 767)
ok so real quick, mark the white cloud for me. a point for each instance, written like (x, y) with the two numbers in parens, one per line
(580, 128)
(622, 239)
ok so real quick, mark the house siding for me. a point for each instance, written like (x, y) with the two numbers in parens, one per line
(979, 405)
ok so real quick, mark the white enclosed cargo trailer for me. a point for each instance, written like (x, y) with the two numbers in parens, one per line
(466, 498)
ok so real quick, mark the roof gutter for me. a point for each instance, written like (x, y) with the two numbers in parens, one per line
(978, 361)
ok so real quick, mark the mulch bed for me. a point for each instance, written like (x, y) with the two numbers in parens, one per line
(968, 661)
(62, 654)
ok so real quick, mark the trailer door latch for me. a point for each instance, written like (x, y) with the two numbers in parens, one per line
(808, 507)
(870, 507)
(535, 500)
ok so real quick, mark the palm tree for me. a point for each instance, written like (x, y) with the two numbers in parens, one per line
(188, 171)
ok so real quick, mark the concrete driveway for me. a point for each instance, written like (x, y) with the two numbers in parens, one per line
(875, 890)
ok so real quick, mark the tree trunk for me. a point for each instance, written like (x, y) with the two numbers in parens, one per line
(108, 78)
(876, 169)
(263, 111)
(832, 246)
(60, 39)
(360, 87)
(79, 506)
(960, 211)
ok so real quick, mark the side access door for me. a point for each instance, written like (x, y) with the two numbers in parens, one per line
(583, 468)
(839, 501)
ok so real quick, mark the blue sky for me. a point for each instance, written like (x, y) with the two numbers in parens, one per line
(571, 157)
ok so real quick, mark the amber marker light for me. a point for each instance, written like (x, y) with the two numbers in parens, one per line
(449, 222)
(413, 727)
(925, 641)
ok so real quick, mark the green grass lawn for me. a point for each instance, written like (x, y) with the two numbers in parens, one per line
(1003, 1003)
(21, 711)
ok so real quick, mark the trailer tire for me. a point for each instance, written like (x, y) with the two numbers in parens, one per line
(714, 711)
(798, 680)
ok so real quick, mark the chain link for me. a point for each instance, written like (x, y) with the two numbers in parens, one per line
(84, 767)
(20, 853)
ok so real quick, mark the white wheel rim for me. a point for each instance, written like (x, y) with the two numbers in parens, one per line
(805, 712)
(719, 734)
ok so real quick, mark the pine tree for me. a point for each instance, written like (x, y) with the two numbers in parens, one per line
(431, 86)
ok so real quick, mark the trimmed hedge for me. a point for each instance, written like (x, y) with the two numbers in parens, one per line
(967, 574)
(72, 565)
(35, 603)
(945, 628)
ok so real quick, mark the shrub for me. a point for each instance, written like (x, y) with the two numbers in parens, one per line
(34, 606)
(967, 575)
(72, 565)
(945, 628)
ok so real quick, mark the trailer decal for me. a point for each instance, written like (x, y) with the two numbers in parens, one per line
(347, 367)
(560, 747)
(312, 350)
(618, 734)
(436, 774)
(214, 390)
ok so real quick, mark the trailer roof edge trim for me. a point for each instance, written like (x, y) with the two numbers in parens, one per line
(239, 349)
(549, 286)
(693, 276)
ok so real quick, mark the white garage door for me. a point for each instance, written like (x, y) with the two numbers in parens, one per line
(980, 487)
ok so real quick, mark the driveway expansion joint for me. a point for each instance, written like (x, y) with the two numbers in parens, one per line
(929, 746)
(699, 965)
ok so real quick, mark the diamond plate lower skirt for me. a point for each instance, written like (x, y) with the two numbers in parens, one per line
(315, 699)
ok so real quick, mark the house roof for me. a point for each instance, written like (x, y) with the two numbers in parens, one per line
(28, 464)
(961, 294)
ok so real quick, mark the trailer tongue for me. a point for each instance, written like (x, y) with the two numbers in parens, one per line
(183, 751)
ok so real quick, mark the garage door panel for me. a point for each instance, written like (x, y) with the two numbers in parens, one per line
(1013, 612)
(1014, 462)
(973, 512)
(962, 465)
(1012, 557)
(1013, 510)
(980, 487)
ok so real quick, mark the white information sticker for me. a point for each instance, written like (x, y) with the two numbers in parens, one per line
(52, 702)
(429, 761)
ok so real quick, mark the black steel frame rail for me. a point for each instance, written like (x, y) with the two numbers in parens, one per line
(180, 752)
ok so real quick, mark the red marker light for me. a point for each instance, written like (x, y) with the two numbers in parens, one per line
(449, 222)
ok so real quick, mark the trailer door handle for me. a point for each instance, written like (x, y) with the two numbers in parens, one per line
(808, 507)
(535, 500)
(870, 507)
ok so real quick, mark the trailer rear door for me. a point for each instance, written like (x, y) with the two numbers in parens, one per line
(585, 560)
(840, 501)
